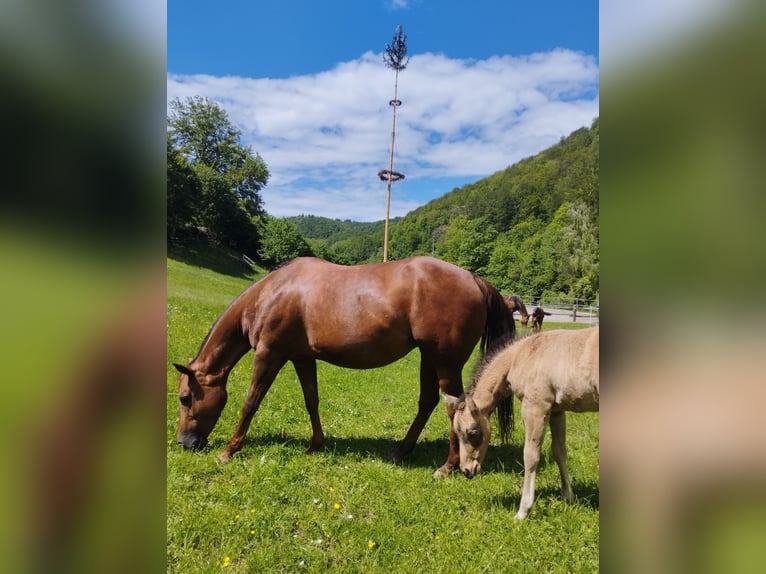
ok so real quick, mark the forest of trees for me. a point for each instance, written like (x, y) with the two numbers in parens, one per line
(531, 229)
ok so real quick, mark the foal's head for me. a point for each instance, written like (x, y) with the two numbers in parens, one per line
(473, 433)
(201, 405)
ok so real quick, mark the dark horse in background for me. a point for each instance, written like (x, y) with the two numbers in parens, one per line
(359, 317)
(516, 304)
(538, 315)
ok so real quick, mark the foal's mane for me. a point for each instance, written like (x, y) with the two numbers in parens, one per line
(503, 404)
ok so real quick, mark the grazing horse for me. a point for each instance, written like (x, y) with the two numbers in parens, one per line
(516, 304)
(358, 317)
(551, 373)
(537, 319)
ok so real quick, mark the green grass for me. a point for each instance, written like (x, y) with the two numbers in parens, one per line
(347, 509)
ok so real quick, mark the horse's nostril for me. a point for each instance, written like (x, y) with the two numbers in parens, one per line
(467, 473)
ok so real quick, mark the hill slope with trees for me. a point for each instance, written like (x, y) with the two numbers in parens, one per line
(530, 229)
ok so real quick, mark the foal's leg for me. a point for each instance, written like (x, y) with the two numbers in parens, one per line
(559, 447)
(534, 416)
(265, 371)
(307, 375)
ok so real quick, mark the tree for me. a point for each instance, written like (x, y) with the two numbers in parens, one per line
(184, 193)
(230, 174)
(280, 241)
(470, 243)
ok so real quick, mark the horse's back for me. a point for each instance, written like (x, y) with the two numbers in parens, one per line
(558, 366)
(366, 315)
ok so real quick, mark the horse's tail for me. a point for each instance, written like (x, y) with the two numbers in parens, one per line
(500, 327)
(505, 418)
(490, 374)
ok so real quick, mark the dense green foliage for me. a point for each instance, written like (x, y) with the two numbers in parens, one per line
(213, 180)
(347, 509)
(281, 242)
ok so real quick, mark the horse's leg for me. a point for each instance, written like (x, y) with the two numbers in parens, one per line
(307, 375)
(431, 380)
(429, 398)
(558, 426)
(534, 416)
(450, 383)
(265, 371)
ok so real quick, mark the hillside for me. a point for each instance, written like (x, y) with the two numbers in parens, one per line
(531, 228)
(346, 242)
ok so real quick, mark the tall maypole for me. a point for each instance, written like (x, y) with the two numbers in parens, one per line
(396, 59)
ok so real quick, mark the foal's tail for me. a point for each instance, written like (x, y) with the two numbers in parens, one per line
(500, 328)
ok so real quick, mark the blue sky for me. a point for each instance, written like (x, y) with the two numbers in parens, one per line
(488, 83)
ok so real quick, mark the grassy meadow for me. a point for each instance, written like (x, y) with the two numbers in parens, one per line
(347, 509)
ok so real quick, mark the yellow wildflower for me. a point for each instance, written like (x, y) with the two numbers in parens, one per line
(371, 544)
(226, 561)
(337, 506)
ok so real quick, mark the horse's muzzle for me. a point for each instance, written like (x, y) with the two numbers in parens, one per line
(190, 441)
(467, 473)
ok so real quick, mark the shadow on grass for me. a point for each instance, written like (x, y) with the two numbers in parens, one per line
(586, 495)
(428, 453)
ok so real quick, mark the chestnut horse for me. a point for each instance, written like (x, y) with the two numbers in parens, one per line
(358, 317)
(516, 304)
(551, 373)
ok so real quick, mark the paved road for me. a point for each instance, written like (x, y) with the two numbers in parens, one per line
(564, 315)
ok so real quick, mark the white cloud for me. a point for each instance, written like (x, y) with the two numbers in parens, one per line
(399, 4)
(325, 136)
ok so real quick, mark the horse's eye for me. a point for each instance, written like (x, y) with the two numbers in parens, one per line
(186, 400)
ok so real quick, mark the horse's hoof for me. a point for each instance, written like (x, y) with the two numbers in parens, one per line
(443, 472)
(224, 457)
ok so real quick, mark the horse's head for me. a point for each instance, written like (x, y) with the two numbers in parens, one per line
(473, 433)
(200, 407)
(524, 320)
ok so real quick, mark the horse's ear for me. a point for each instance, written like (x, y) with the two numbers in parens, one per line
(183, 369)
(454, 401)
